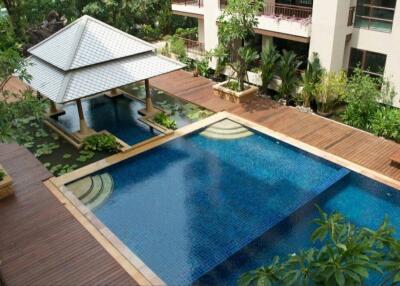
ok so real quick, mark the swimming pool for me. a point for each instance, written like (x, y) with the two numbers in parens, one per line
(201, 210)
(118, 116)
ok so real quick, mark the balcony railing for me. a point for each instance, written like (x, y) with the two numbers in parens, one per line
(287, 11)
(198, 3)
(194, 47)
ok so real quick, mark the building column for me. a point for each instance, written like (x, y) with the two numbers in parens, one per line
(84, 129)
(329, 31)
(149, 102)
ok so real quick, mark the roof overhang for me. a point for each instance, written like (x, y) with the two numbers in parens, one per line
(64, 86)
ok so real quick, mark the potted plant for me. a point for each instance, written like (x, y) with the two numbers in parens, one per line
(235, 24)
(327, 93)
(5, 184)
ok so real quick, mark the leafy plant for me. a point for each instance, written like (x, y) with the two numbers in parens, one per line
(343, 255)
(329, 90)
(269, 61)
(163, 119)
(386, 123)
(84, 156)
(60, 169)
(67, 156)
(236, 23)
(101, 143)
(45, 149)
(310, 79)
(362, 96)
(288, 65)
(2, 175)
(177, 46)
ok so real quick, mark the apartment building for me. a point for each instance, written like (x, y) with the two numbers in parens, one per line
(345, 33)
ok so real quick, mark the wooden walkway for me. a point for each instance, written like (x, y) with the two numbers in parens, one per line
(41, 243)
(349, 143)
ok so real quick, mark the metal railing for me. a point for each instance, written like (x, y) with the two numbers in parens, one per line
(288, 11)
(198, 3)
(194, 47)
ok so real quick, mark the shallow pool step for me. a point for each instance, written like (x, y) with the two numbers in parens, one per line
(104, 194)
(226, 130)
(93, 190)
(82, 187)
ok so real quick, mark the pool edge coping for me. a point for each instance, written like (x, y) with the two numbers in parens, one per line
(138, 270)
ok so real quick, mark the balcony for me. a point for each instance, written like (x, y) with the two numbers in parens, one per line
(190, 8)
(287, 11)
(198, 3)
(194, 48)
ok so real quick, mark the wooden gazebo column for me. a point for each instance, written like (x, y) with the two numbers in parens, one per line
(149, 102)
(84, 130)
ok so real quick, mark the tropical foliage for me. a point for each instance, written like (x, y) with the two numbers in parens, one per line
(12, 115)
(10, 55)
(236, 23)
(330, 88)
(309, 79)
(101, 142)
(287, 71)
(2, 175)
(269, 60)
(344, 254)
(163, 119)
(366, 99)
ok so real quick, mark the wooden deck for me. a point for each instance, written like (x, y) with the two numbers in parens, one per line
(349, 143)
(41, 243)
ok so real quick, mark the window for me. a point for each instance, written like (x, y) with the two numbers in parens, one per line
(375, 14)
(370, 62)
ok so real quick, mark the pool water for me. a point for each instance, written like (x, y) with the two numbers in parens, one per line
(118, 116)
(186, 207)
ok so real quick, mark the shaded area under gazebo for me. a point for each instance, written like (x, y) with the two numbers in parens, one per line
(89, 57)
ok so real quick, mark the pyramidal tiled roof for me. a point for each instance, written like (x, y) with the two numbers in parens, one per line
(89, 57)
(85, 42)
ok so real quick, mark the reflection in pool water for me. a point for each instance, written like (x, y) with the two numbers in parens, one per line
(118, 116)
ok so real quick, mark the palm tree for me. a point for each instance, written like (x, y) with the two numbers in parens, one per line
(288, 66)
(269, 59)
(310, 78)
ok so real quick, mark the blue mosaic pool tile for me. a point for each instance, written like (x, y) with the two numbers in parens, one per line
(189, 205)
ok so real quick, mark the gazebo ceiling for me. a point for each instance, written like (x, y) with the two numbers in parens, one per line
(89, 57)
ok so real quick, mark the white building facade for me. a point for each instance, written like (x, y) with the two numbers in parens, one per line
(345, 33)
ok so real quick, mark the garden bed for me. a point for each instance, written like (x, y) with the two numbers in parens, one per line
(226, 93)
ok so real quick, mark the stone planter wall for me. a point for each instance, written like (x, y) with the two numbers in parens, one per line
(5, 185)
(234, 96)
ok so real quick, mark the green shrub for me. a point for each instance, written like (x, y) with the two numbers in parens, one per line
(329, 90)
(386, 123)
(362, 94)
(164, 120)
(149, 33)
(269, 63)
(188, 33)
(2, 175)
(100, 143)
(177, 47)
(233, 85)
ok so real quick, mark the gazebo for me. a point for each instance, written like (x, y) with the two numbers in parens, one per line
(89, 57)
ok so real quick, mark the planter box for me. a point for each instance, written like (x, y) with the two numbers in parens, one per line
(234, 96)
(5, 185)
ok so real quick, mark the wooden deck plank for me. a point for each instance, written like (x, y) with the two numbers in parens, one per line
(41, 243)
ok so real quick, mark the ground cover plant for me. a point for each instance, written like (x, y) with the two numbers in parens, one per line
(163, 119)
(2, 175)
(101, 143)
